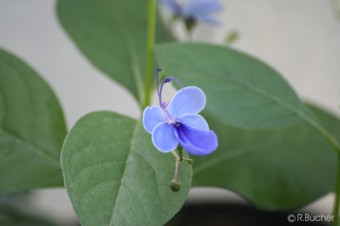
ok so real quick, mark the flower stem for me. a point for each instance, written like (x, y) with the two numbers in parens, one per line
(180, 152)
(175, 183)
(178, 166)
(150, 52)
(179, 160)
(336, 207)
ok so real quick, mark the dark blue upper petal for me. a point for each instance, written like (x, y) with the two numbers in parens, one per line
(194, 121)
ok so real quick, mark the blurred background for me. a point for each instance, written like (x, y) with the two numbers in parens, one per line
(300, 39)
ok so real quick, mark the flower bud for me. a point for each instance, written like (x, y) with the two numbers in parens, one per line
(175, 185)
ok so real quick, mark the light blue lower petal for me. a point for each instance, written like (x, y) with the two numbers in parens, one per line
(163, 137)
(151, 117)
(196, 142)
(194, 121)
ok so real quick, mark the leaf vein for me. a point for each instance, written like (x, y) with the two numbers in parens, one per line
(30, 146)
(124, 172)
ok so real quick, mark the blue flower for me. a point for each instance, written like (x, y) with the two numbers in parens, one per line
(179, 122)
(194, 10)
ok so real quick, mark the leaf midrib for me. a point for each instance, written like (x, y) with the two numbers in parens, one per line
(306, 115)
(124, 171)
(260, 91)
(30, 146)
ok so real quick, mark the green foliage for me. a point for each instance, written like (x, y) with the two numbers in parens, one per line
(114, 175)
(273, 169)
(281, 166)
(113, 36)
(241, 91)
(32, 128)
(269, 150)
(336, 5)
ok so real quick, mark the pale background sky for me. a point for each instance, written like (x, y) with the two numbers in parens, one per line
(300, 39)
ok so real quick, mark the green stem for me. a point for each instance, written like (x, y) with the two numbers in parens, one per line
(179, 160)
(336, 207)
(150, 52)
(180, 153)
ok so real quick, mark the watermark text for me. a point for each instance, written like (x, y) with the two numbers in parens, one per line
(305, 217)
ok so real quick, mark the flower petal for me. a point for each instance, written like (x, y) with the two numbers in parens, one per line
(189, 100)
(151, 117)
(163, 137)
(173, 6)
(202, 10)
(196, 142)
(202, 6)
(194, 121)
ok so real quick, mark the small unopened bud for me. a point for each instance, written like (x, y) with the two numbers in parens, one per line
(175, 185)
(189, 161)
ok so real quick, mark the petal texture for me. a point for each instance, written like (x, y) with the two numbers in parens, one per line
(196, 142)
(194, 121)
(189, 100)
(163, 137)
(151, 117)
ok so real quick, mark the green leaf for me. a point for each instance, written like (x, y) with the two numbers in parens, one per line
(273, 169)
(336, 5)
(113, 35)
(328, 121)
(114, 175)
(241, 91)
(32, 128)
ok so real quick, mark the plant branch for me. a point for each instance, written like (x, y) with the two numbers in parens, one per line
(150, 52)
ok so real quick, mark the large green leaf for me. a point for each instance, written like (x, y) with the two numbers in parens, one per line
(32, 128)
(273, 169)
(114, 176)
(113, 36)
(241, 91)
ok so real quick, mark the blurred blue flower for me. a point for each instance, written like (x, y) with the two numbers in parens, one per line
(178, 123)
(194, 10)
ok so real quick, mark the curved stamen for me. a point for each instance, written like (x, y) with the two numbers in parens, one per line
(157, 86)
(165, 80)
(162, 104)
(160, 87)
